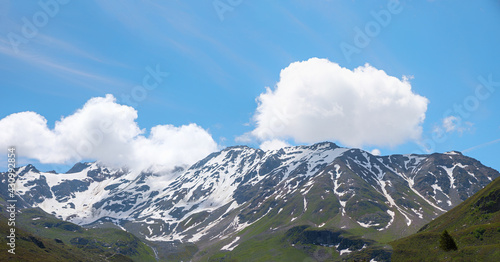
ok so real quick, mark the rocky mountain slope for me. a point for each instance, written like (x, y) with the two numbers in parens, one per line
(220, 201)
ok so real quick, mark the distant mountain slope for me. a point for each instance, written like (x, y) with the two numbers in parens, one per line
(240, 194)
(474, 224)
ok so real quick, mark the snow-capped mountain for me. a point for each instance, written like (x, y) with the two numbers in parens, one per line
(322, 185)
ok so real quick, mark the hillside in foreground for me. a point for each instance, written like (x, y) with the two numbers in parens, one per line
(474, 225)
(42, 237)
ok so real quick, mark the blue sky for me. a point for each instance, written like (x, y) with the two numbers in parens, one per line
(221, 55)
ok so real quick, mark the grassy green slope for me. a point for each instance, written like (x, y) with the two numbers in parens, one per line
(32, 248)
(474, 224)
(42, 237)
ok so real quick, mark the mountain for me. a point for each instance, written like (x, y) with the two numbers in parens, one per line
(474, 225)
(318, 199)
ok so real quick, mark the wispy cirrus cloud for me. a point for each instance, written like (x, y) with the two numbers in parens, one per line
(183, 28)
(60, 64)
(454, 124)
(481, 145)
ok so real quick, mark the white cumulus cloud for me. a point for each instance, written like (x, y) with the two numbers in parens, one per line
(105, 131)
(273, 144)
(375, 152)
(317, 100)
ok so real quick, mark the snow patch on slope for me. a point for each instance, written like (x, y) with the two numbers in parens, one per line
(392, 214)
(231, 245)
(449, 171)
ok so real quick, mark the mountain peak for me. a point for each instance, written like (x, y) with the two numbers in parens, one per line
(78, 167)
(29, 168)
(453, 152)
(323, 145)
(239, 147)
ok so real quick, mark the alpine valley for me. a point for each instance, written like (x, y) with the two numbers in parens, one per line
(304, 203)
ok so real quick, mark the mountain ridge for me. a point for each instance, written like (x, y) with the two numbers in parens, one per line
(229, 192)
